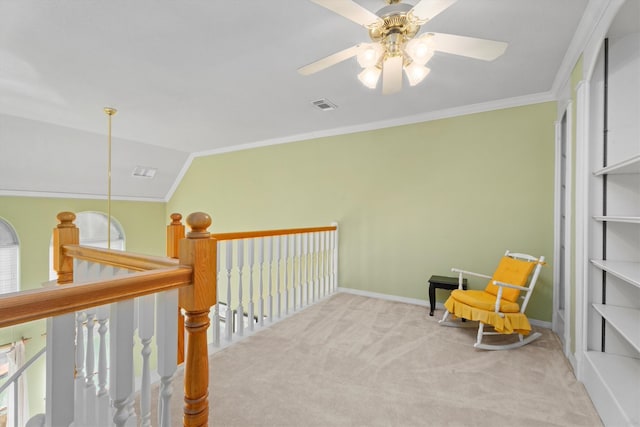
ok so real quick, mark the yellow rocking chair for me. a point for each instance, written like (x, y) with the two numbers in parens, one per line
(497, 304)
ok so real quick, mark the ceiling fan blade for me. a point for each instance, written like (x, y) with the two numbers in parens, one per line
(487, 50)
(427, 9)
(328, 61)
(350, 10)
(392, 75)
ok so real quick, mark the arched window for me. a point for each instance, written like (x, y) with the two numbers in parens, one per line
(9, 258)
(93, 232)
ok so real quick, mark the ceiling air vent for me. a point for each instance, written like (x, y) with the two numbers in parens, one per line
(324, 104)
(144, 172)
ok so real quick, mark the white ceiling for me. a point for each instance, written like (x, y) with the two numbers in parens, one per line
(196, 76)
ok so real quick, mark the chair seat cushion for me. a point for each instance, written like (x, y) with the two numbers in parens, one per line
(510, 323)
(484, 301)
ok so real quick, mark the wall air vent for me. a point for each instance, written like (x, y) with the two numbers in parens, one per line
(324, 104)
(144, 172)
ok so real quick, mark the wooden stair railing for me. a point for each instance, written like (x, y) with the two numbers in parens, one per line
(193, 275)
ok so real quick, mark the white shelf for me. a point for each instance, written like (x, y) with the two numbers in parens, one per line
(611, 218)
(625, 270)
(620, 376)
(631, 165)
(625, 320)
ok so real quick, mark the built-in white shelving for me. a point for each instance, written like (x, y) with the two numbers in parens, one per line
(631, 165)
(618, 376)
(611, 372)
(624, 320)
(627, 271)
(609, 218)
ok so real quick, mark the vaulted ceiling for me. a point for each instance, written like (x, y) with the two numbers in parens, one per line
(202, 76)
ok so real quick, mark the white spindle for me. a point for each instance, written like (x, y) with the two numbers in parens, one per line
(90, 385)
(240, 310)
(335, 257)
(287, 262)
(59, 402)
(145, 332)
(166, 343)
(278, 257)
(316, 262)
(228, 319)
(121, 362)
(261, 266)
(297, 292)
(323, 266)
(80, 407)
(250, 260)
(270, 258)
(102, 400)
(305, 275)
(216, 307)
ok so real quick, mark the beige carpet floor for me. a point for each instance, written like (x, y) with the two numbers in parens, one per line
(356, 361)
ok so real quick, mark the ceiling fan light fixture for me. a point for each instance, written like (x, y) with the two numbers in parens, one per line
(416, 73)
(419, 50)
(369, 54)
(370, 76)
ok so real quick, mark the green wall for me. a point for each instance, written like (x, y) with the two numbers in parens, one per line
(411, 201)
(34, 219)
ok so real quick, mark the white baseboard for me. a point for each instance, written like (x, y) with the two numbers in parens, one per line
(421, 302)
(388, 297)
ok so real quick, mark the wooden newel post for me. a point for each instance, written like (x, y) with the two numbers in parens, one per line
(66, 233)
(175, 233)
(199, 251)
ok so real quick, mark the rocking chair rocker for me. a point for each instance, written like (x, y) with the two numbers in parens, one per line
(497, 304)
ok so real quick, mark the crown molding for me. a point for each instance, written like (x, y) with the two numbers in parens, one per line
(518, 101)
(59, 195)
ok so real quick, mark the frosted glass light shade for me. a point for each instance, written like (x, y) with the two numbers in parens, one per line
(416, 73)
(419, 50)
(369, 54)
(370, 76)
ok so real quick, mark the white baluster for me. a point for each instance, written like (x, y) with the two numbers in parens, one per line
(287, 263)
(305, 274)
(90, 385)
(59, 402)
(323, 265)
(228, 319)
(80, 409)
(216, 307)
(261, 266)
(270, 258)
(121, 361)
(250, 259)
(166, 343)
(278, 258)
(316, 262)
(240, 310)
(102, 400)
(145, 332)
(335, 258)
(297, 291)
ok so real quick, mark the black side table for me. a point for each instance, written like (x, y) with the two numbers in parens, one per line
(442, 282)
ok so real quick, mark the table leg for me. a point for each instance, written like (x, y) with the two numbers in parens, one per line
(432, 299)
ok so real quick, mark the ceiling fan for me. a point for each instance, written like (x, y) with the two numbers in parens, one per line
(396, 45)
